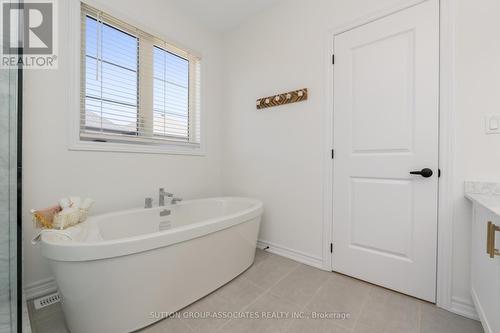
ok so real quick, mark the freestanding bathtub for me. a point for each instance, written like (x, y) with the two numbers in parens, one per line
(116, 272)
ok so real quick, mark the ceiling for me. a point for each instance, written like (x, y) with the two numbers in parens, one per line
(222, 15)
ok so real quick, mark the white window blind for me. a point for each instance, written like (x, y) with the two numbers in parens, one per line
(136, 88)
(170, 95)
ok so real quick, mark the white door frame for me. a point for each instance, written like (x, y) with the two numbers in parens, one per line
(446, 145)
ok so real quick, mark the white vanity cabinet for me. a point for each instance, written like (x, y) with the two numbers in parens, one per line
(485, 271)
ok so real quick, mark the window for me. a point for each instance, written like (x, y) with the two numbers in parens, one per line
(136, 89)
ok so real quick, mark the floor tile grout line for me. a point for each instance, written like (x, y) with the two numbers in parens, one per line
(419, 321)
(189, 328)
(314, 294)
(253, 284)
(186, 324)
(266, 291)
(302, 309)
(356, 322)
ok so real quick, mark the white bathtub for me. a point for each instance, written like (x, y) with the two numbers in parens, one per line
(120, 271)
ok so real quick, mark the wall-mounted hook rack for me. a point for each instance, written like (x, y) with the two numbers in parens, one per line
(281, 99)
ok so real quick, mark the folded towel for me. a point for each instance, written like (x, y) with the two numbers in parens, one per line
(74, 233)
(60, 233)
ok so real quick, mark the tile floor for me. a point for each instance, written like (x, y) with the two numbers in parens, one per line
(275, 283)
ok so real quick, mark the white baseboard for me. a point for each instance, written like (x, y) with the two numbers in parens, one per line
(480, 312)
(463, 307)
(40, 288)
(291, 254)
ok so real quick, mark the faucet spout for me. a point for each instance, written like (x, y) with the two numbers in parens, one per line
(175, 200)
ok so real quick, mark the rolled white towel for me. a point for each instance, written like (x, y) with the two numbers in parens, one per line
(75, 233)
(75, 202)
(64, 203)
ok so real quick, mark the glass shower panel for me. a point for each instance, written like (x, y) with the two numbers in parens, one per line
(8, 201)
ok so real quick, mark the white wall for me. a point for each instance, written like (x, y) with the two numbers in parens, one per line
(278, 155)
(477, 94)
(114, 180)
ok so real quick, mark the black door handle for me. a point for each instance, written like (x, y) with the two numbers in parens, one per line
(426, 173)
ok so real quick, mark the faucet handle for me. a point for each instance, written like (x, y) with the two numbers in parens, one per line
(167, 194)
(148, 203)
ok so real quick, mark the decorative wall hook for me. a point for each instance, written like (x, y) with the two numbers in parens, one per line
(285, 98)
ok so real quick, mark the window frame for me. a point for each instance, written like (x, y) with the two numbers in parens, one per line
(80, 140)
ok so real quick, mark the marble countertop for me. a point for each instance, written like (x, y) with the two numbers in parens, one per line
(484, 194)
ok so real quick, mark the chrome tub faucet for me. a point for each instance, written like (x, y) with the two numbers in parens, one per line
(162, 196)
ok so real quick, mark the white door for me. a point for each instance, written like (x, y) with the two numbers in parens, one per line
(386, 94)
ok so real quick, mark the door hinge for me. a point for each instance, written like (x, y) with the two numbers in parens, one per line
(439, 173)
(333, 59)
(333, 154)
(331, 247)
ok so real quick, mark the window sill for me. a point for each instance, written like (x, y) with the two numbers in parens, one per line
(167, 149)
